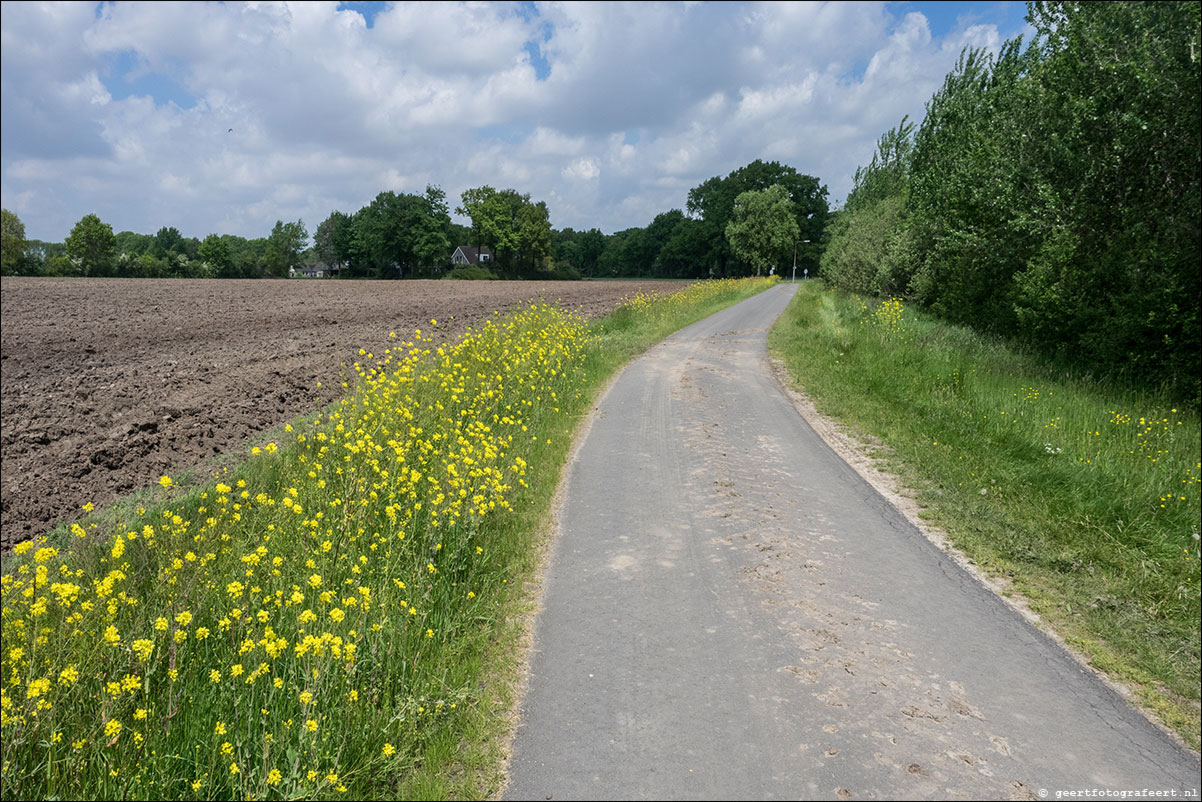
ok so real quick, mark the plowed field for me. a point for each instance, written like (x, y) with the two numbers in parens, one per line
(107, 384)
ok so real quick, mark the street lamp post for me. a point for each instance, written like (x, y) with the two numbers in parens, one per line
(803, 242)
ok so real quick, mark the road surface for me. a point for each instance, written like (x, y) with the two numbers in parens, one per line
(731, 612)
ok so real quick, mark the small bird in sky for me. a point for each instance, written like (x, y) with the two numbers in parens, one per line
(230, 131)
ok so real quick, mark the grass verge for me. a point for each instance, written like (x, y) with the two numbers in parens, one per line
(336, 617)
(1084, 499)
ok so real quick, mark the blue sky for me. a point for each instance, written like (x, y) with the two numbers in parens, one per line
(224, 117)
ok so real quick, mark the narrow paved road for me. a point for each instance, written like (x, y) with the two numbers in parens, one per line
(730, 612)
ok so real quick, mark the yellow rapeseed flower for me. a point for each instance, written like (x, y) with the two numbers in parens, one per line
(143, 648)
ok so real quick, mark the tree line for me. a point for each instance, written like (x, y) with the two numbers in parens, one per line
(676, 244)
(731, 228)
(92, 249)
(1050, 194)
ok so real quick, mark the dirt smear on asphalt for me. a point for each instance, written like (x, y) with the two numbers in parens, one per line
(107, 384)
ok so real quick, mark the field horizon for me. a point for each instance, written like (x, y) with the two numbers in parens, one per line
(109, 383)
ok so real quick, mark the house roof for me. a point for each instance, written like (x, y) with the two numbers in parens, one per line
(473, 254)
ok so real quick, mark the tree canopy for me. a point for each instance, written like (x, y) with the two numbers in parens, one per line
(12, 243)
(92, 247)
(763, 225)
(396, 235)
(713, 201)
(516, 229)
(284, 248)
(403, 235)
(1052, 194)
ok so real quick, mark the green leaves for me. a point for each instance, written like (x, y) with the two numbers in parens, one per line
(12, 234)
(763, 226)
(92, 247)
(284, 247)
(395, 235)
(517, 230)
(714, 202)
(1051, 193)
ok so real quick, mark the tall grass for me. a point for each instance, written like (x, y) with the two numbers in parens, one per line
(326, 619)
(1085, 496)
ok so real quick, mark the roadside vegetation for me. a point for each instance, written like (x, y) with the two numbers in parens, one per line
(335, 617)
(1084, 496)
(1052, 194)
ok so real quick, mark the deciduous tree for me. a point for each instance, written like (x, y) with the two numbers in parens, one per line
(284, 248)
(92, 246)
(12, 243)
(215, 252)
(764, 226)
(713, 202)
(332, 239)
(517, 230)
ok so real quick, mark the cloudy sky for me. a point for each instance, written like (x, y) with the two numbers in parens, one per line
(226, 117)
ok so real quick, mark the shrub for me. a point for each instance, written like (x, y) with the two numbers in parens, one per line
(471, 273)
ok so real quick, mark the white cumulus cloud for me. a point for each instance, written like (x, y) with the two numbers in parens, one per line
(226, 117)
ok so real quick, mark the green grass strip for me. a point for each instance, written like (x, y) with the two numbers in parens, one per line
(337, 617)
(1086, 498)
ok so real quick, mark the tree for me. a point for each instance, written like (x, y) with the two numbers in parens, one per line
(384, 236)
(516, 230)
(613, 261)
(868, 247)
(215, 252)
(167, 240)
(42, 258)
(713, 201)
(332, 240)
(134, 244)
(565, 249)
(12, 237)
(284, 247)
(764, 225)
(432, 237)
(1051, 193)
(1113, 274)
(534, 234)
(249, 256)
(680, 256)
(968, 202)
(486, 211)
(92, 246)
(591, 244)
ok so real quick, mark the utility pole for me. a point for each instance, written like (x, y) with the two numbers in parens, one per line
(804, 242)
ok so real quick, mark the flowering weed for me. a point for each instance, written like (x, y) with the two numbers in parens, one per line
(312, 623)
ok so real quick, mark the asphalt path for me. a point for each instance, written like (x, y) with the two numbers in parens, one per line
(731, 612)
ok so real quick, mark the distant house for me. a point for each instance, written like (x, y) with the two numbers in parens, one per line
(467, 255)
(314, 270)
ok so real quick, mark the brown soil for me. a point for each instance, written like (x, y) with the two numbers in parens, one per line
(107, 384)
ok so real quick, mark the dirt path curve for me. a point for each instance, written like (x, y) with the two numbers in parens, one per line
(731, 612)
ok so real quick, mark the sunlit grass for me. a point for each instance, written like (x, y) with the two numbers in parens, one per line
(326, 619)
(1087, 497)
